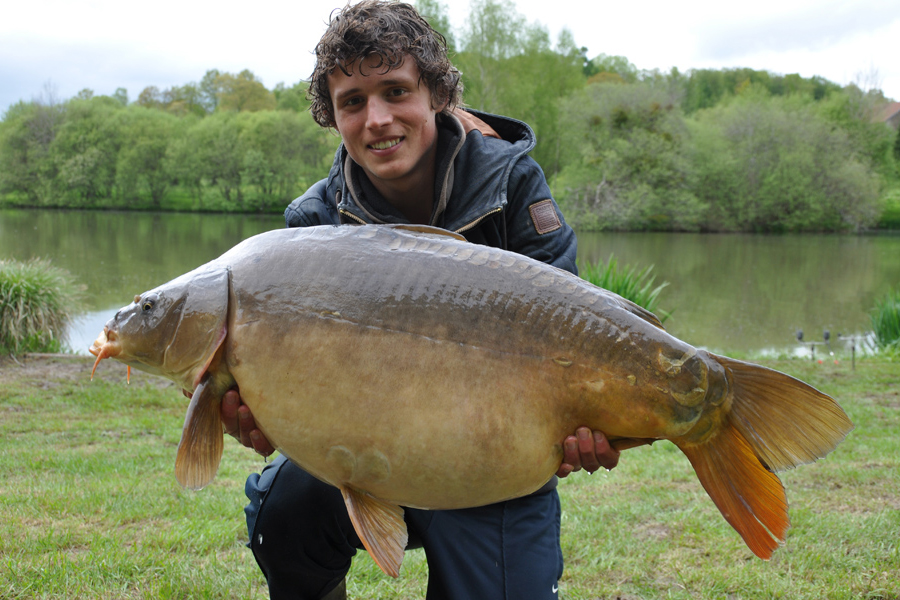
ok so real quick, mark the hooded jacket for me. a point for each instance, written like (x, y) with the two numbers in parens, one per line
(486, 189)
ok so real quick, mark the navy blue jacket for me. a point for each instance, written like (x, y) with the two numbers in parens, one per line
(488, 190)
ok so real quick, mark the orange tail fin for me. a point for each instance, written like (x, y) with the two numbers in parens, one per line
(776, 423)
(749, 496)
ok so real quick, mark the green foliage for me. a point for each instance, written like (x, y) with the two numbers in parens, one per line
(705, 88)
(772, 164)
(629, 282)
(890, 212)
(624, 148)
(886, 320)
(510, 67)
(37, 303)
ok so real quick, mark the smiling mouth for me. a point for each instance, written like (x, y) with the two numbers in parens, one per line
(384, 145)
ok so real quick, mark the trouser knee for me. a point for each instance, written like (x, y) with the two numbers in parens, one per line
(300, 533)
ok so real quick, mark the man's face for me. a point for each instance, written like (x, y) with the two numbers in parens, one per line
(387, 123)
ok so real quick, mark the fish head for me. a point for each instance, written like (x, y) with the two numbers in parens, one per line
(173, 330)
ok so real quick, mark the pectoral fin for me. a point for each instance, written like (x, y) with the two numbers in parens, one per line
(200, 449)
(380, 526)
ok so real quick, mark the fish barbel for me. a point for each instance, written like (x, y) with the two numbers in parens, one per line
(402, 365)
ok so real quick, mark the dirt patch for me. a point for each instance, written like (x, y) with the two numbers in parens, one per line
(46, 371)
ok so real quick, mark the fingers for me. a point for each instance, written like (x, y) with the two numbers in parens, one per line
(606, 455)
(238, 422)
(228, 412)
(587, 450)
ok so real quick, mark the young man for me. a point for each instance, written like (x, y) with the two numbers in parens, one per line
(409, 155)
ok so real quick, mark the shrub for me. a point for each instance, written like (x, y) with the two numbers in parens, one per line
(629, 282)
(886, 320)
(37, 303)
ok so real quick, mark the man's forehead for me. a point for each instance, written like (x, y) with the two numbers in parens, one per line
(374, 64)
(361, 70)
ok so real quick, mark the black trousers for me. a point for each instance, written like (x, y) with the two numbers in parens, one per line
(303, 541)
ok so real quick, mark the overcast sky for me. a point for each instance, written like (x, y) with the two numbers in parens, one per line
(64, 46)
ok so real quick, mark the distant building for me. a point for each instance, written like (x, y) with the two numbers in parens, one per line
(889, 113)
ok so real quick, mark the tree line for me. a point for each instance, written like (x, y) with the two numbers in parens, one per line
(623, 148)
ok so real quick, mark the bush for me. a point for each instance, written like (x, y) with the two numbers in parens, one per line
(629, 282)
(37, 303)
(886, 321)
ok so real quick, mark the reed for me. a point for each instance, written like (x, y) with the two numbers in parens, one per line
(37, 303)
(628, 281)
(886, 320)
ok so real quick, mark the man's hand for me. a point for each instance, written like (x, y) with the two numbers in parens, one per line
(587, 450)
(239, 423)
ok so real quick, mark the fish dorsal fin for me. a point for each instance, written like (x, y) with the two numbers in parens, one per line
(427, 230)
(380, 526)
(202, 439)
(640, 311)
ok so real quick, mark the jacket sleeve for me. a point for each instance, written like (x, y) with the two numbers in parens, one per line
(535, 225)
(314, 207)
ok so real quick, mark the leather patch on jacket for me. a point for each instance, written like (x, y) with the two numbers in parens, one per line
(543, 215)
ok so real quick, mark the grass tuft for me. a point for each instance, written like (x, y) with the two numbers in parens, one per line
(629, 282)
(886, 321)
(37, 303)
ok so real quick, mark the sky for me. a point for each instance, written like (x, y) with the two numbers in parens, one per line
(52, 49)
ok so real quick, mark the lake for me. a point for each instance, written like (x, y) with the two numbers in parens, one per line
(727, 292)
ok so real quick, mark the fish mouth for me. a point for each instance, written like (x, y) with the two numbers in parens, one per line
(105, 346)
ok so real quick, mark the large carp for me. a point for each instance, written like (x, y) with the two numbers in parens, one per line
(403, 365)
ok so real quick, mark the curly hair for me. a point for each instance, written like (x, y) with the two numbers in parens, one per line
(391, 31)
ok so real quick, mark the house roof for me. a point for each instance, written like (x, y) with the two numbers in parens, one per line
(886, 111)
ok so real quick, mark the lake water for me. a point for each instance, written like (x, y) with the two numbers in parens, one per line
(732, 293)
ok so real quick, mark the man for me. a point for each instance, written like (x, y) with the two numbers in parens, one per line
(409, 155)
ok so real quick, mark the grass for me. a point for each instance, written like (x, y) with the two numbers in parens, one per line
(37, 302)
(890, 215)
(886, 320)
(629, 282)
(89, 506)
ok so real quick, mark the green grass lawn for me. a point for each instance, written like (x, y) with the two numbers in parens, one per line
(89, 505)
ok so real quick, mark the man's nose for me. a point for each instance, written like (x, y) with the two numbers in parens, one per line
(378, 114)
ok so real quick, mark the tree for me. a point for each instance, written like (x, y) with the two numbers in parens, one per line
(435, 12)
(773, 164)
(243, 92)
(292, 98)
(209, 90)
(26, 136)
(141, 167)
(84, 152)
(625, 151)
(511, 68)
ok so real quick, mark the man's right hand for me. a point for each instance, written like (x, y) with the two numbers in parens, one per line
(239, 424)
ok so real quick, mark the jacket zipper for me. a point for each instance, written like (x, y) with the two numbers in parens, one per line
(472, 224)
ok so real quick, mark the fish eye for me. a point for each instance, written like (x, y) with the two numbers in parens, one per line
(148, 303)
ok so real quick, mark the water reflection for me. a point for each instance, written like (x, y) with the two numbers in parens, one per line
(744, 293)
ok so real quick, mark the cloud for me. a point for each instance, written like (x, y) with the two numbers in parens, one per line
(808, 28)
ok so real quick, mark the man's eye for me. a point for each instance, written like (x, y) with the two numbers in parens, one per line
(352, 101)
(397, 92)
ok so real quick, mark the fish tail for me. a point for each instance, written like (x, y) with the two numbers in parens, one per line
(787, 422)
(776, 422)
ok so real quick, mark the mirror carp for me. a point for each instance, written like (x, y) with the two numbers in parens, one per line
(403, 364)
